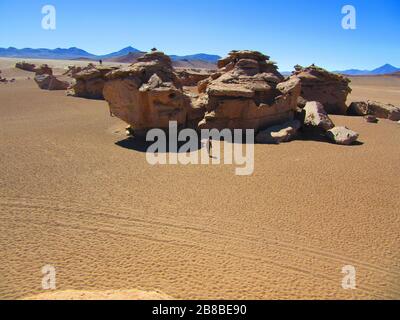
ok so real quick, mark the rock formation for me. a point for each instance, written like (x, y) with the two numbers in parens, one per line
(247, 92)
(328, 88)
(25, 66)
(89, 82)
(377, 109)
(148, 94)
(50, 82)
(191, 77)
(43, 69)
(72, 70)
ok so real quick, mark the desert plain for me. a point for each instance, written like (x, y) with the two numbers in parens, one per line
(76, 194)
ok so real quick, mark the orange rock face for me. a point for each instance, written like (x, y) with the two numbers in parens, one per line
(89, 82)
(248, 92)
(328, 88)
(147, 94)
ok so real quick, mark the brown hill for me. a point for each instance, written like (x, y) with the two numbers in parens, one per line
(129, 58)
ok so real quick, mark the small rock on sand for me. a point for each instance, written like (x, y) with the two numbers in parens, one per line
(280, 133)
(342, 135)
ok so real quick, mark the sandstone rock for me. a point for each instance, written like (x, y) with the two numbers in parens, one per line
(147, 94)
(50, 82)
(325, 87)
(191, 77)
(247, 92)
(377, 109)
(43, 69)
(73, 70)
(358, 108)
(89, 82)
(25, 66)
(279, 133)
(316, 116)
(342, 135)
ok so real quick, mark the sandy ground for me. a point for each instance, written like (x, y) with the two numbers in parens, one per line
(75, 195)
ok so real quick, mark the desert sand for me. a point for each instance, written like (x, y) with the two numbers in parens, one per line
(76, 194)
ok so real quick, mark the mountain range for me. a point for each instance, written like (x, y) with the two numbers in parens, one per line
(385, 69)
(76, 53)
(130, 54)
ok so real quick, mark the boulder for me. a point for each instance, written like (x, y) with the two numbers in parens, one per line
(328, 88)
(279, 133)
(50, 82)
(148, 94)
(316, 116)
(89, 82)
(25, 66)
(342, 135)
(377, 109)
(247, 92)
(43, 69)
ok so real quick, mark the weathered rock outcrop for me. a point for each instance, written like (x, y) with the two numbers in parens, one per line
(50, 82)
(25, 66)
(43, 69)
(247, 92)
(328, 88)
(89, 82)
(148, 94)
(377, 109)
(72, 70)
(191, 77)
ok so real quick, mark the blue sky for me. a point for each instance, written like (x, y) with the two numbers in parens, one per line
(290, 31)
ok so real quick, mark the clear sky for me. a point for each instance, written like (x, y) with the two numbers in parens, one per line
(290, 31)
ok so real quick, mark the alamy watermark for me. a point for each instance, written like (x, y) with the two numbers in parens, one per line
(238, 147)
(349, 280)
(349, 21)
(49, 277)
(49, 19)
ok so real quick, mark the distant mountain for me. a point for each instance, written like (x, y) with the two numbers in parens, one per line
(200, 57)
(127, 55)
(131, 57)
(120, 53)
(385, 69)
(42, 53)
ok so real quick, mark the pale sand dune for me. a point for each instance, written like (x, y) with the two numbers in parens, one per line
(108, 221)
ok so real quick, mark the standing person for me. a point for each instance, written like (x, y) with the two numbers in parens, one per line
(209, 147)
(101, 62)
